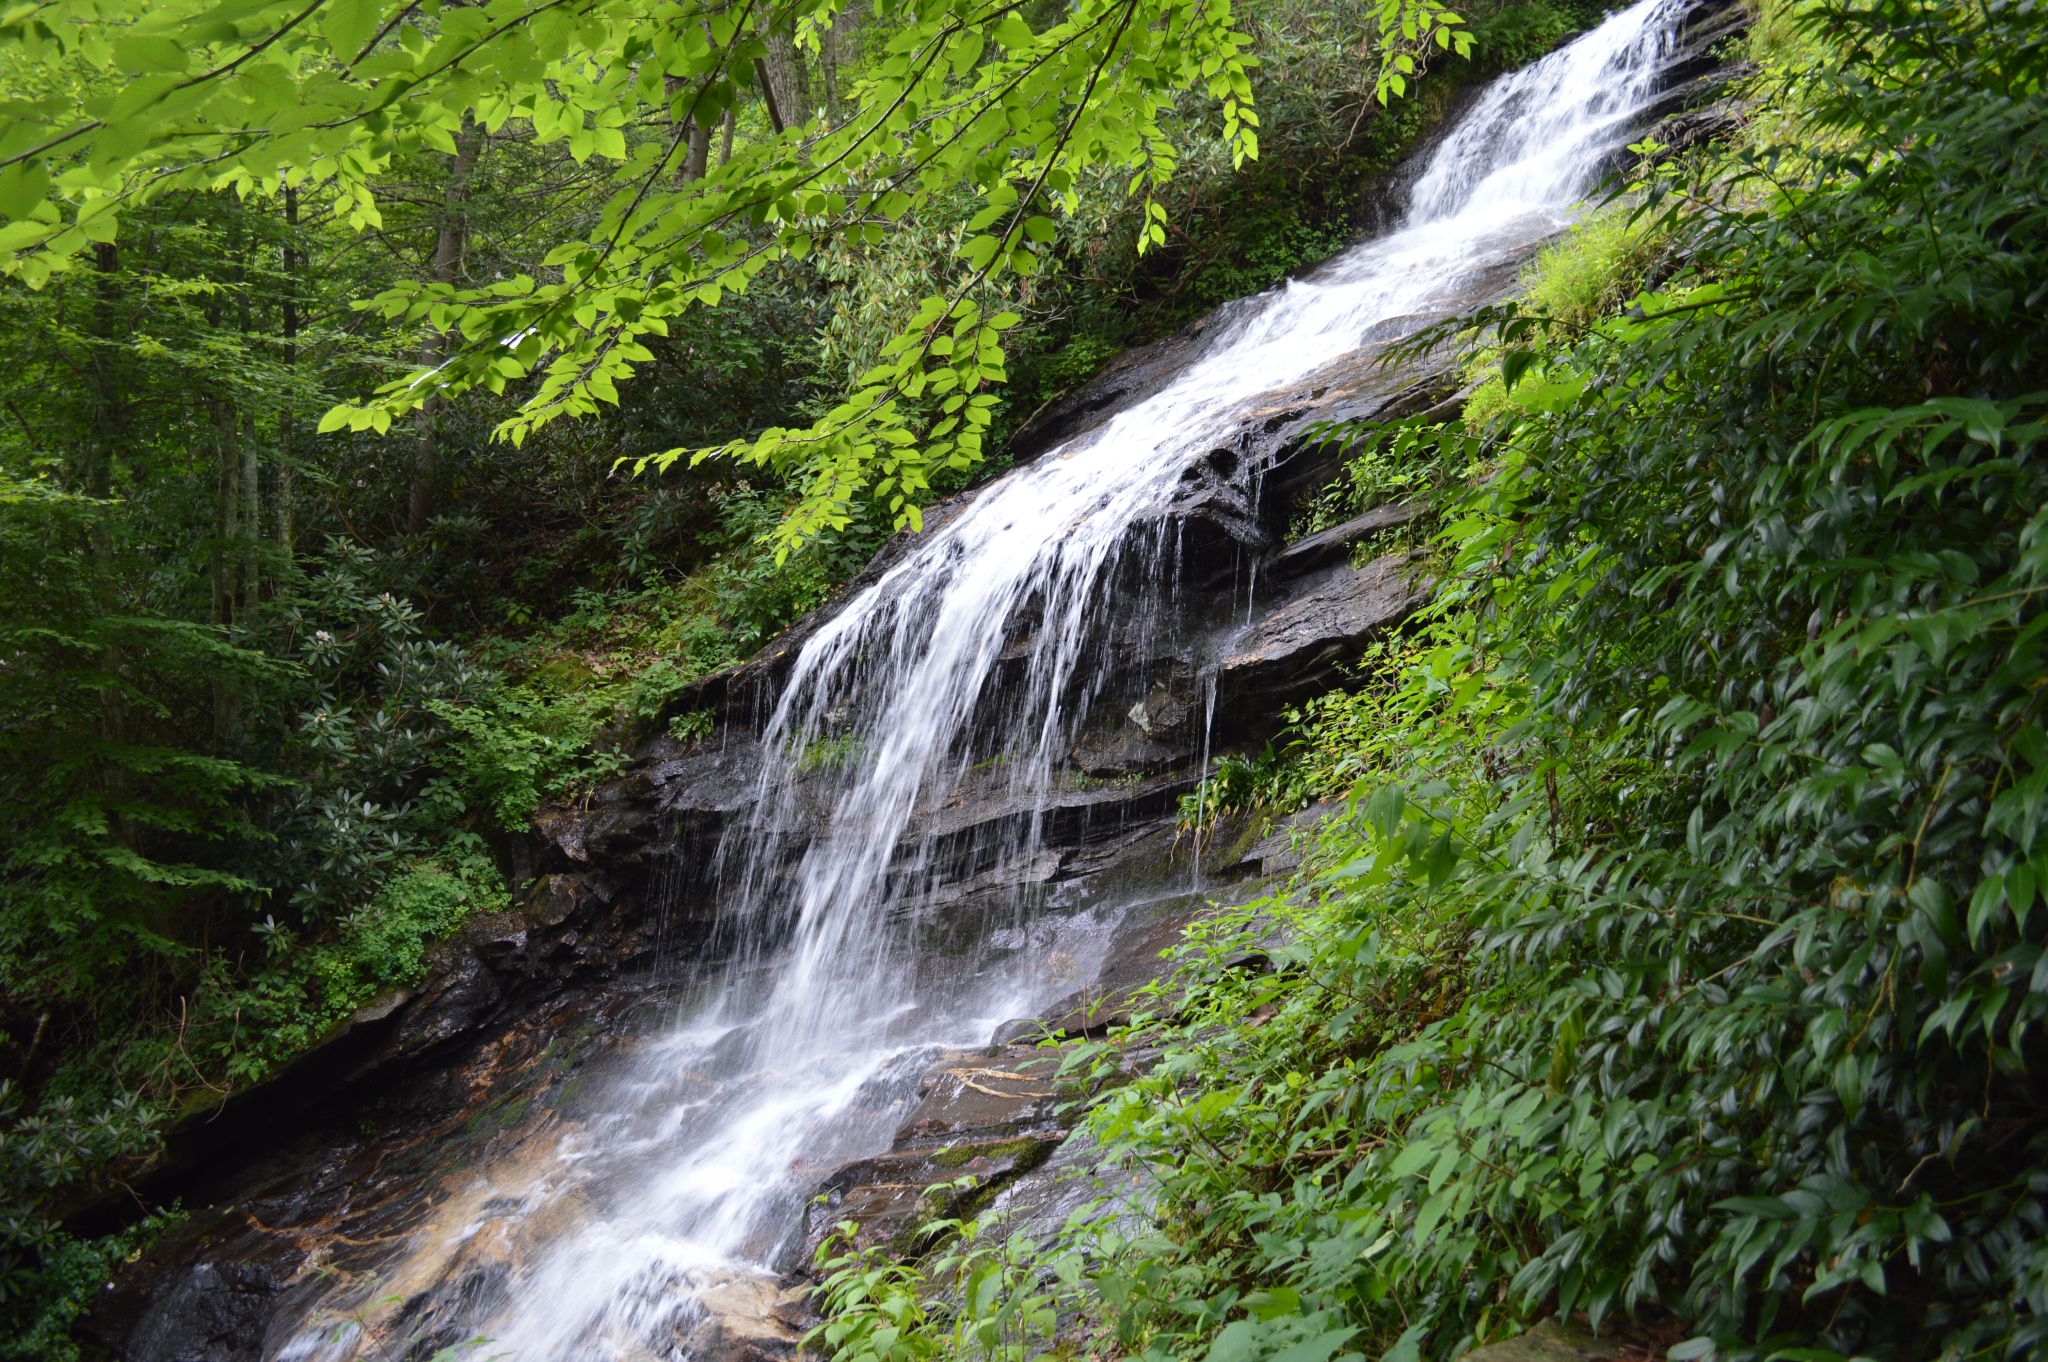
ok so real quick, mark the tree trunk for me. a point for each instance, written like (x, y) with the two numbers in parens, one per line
(725, 139)
(784, 80)
(698, 157)
(252, 525)
(836, 46)
(288, 327)
(828, 67)
(108, 433)
(95, 474)
(449, 240)
(768, 97)
(696, 133)
(227, 536)
(252, 464)
(227, 514)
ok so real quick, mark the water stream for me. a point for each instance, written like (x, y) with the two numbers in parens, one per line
(973, 658)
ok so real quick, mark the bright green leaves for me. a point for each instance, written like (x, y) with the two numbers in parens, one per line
(349, 24)
(1012, 32)
(1153, 232)
(959, 96)
(1408, 31)
(143, 54)
(954, 97)
(22, 187)
(200, 96)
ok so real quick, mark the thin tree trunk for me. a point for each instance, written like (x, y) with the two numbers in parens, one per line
(725, 139)
(252, 464)
(227, 535)
(768, 96)
(449, 241)
(109, 432)
(252, 525)
(698, 157)
(227, 516)
(109, 419)
(799, 77)
(696, 135)
(828, 64)
(287, 423)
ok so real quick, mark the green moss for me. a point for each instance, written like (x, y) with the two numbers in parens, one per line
(959, 1156)
(499, 1116)
(953, 1201)
(563, 675)
(566, 1095)
(836, 753)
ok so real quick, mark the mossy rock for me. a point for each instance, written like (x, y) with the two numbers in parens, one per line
(564, 675)
(1550, 1341)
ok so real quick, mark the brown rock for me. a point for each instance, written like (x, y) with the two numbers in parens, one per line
(1550, 1341)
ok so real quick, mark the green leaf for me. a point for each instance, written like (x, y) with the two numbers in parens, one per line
(22, 187)
(149, 54)
(348, 24)
(1318, 1349)
(1413, 1158)
(1012, 32)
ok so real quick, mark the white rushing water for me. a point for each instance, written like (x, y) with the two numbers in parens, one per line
(974, 653)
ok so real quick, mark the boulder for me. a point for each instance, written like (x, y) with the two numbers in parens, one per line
(746, 1317)
(985, 1117)
(210, 1312)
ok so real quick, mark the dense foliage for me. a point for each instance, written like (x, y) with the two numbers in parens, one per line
(1676, 959)
(960, 99)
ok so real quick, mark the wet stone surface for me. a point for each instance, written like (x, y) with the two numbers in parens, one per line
(1293, 651)
(1001, 1115)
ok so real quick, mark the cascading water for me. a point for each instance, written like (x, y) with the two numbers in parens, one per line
(972, 653)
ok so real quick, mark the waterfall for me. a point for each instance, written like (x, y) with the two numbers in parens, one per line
(974, 657)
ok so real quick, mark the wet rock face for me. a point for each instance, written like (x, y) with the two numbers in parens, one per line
(1293, 652)
(362, 1148)
(1336, 545)
(1131, 377)
(984, 1119)
(993, 1127)
(212, 1312)
(748, 1317)
(473, 1067)
(274, 1220)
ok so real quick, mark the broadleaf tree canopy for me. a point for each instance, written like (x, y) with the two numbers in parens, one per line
(1013, 103)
